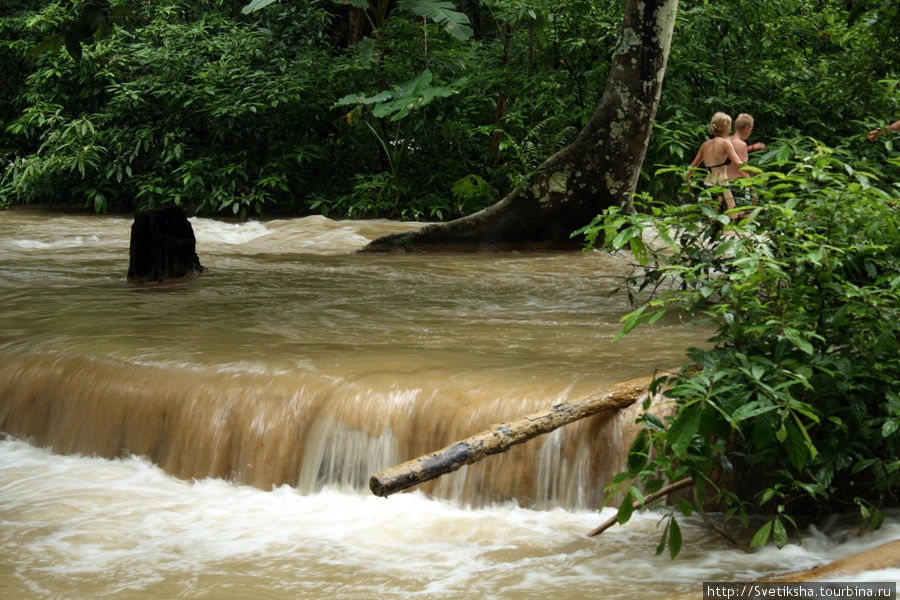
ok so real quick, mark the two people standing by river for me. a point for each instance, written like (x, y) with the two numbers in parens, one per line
(724, 157)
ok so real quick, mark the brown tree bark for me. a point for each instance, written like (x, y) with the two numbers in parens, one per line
(599, 169)
(499, 438)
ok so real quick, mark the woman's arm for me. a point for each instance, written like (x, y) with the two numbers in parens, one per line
(732, 154)
(694, 164)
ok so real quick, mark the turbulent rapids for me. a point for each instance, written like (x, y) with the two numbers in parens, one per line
(294, 362)
(214, 437)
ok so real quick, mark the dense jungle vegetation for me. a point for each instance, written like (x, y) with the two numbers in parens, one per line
(792, 412)
(365, 109)
(301, 107)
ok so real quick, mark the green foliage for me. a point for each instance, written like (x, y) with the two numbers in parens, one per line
(256, 5)
(801, 68)
(200, 103)
(441, 12)
(792, 409)
(94, 18)
(205, 112)
(469, 192)
(396, 103)
(542, 140)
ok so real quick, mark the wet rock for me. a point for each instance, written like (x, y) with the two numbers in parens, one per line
(163, 246)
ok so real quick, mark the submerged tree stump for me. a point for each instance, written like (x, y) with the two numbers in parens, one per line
(162, 247)
(499, 438)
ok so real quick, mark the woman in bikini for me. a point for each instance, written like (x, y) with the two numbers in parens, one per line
(716, 154)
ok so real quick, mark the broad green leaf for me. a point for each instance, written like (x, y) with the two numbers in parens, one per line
(863, 465)
(441, 12)
(619, 478)
(652, 421)
(630, 321)
(657, 316)
(623, 236)
(682, 431)
(637, 456)
(761, 536)
(625, 509)
(781, 433)
(751, 410)
(255, 5)
(397, 102)
(795, 338)
(653, 486)
(663, 539)
(795, 447)
(779, 534)
(812, 489)
(810, 447)
(99, 203)
(363, 99)
(687, 509)
(674, 538)
(637, 495)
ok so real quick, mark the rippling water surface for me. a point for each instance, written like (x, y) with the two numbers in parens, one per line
(212, 438)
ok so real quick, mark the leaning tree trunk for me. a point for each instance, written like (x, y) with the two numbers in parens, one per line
(599, 169)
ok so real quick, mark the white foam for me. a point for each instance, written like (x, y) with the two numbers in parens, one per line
(78, 519)
(75, 241)
(233, 234)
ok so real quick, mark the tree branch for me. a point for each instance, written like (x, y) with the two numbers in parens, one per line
(647, 500)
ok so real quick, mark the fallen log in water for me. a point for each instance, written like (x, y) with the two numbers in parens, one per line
(499, 438)
(885, 556)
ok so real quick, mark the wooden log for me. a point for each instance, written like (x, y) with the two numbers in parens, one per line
(499, 438)
(885, 556)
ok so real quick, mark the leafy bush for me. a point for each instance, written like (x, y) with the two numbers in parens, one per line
(204, 111)
(792, 410)
(198, 104)
(788, 63)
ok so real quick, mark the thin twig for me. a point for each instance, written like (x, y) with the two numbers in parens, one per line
(647, 500)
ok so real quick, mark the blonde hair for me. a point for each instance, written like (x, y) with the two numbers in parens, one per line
(720, 124)
(743, 121)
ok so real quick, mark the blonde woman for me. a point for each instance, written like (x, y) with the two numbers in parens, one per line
(716, 154)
